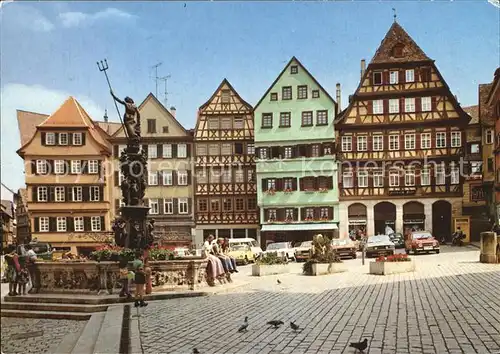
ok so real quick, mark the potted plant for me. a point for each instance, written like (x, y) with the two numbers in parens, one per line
(324, 259)
(397, 263)
(269, 264)
(271, 191)
(288, 190)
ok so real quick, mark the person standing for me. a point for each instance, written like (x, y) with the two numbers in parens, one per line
(124, 279)
(12, 270)
(140, 281)
(22, 279)
(148, 272)
(31, 260)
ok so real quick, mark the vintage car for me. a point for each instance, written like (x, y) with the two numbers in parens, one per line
(303, 251)
(420, 242)
(398, 239)
(345, 247)
(380, 245)
(282, 249)
(241, 253)
(254, 246)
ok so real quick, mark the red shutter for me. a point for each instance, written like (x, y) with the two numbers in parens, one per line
(294, 184)
(354, 142)
(417, 74)
(417, 141)
(418, 171)
(302, 213)
(370, 107)
(369, 143)
(433, 103)
(279, 184)
(386, 106)
(301, 183)
(315, 182)
(402, 105)
(402, 76)
(296, 214)
(385, 76)
(317, 213)
(280, 214)
(418, 104)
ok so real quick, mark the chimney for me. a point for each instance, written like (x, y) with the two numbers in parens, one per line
(105, 116)
(363, 67)
(338, 99)
(173, 110)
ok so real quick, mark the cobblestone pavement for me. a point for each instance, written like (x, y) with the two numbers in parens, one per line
(30, 335)
(451, 304)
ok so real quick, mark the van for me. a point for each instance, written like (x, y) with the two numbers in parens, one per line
(254, 246)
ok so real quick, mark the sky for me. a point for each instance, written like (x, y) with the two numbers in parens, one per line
(49, 50)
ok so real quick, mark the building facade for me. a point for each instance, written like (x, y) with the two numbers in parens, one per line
(7, 223)
(296, 169)
(225, 190)
(23, 225)
(169, 192)
(400, 142)
(68, 191)
(494, 102)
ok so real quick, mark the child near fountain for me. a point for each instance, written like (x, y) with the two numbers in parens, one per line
(140, 282)
(124, 279)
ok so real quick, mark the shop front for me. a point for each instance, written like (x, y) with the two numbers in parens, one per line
(413, 216)
(296, 233)
(384, 215)
(357, 220)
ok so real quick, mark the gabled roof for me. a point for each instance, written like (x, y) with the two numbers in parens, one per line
(69, 114)
(486, 114)
(397, 35)
(281, 74)
(27, 123)
(7, 207)
(221, 85)
(496, 86)
(109, 128)
(472, 111)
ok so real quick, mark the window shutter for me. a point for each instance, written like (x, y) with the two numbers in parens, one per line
(417, 141)
(188, 150)
(370, 107)
(418, 171)
(330, 182)
(33, 167)
(433, 103)
(70, 225)
(315, 182)
(295, 214)
(189, 177)
(160, 206)
(402, 76)
(85, 193)
(57, 138)
(370, 76)
(87, 226)
(103, 225)
(52, 224)
(115, 151)
(418, 104)
(101, 193)
(174, 178)
(190, 205)
(386, 106)
(67, 190)
(146, 202)
(174, 151)
(385, 75)
(402, 105)
(279, 184)
(70, 138)
(159, 150)
(34, 196)
(264, 184)
(83, 139)
(417, 74)
(302, 213)
(176, 205)
(280, 214)
(301, 183)
(330, 213)
(160, 177)
(317, 213)
(116, 178)
(51, 194)
(44, 136)
(50, 164)
(37, 224)
(294, 184)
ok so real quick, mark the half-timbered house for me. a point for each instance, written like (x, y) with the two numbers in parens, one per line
(401, 142)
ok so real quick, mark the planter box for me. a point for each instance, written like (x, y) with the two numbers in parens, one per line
(259, 270)
(386, 268)
(328, 268)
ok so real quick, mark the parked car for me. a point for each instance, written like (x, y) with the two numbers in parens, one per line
(303, 251)
(242, 253)
(398, 239)
(254, 246)
(421, 241)
(345, 247)
(282, 249)
(380, 245)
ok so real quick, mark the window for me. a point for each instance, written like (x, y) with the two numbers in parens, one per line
(288, 152)
(378, 178)
(489, 136)
(239, 204)
(425, 74)
(426, 104)
(274, 96)
(93, 166)
(42, 194)
(309, 213)
(474, 149)
(94, 194)
(151, 126)
(167, 151)
(201, 176)
(378, 142)
(271, 214)
(285, 119)
(77, 139)
(425, 178)
(169, 206)
(347, 143)
(490, 164)
(226, 176)
(393, 142)
(226, 149)
(152, 151)
(321, 117)
(289, 214)
(397, 50)
(393, 179)
(165, 129)
(182, 151)
(362, 179)
(201, 149)
(288, 183)
(315, 150)
(378, 107)
(476, 167)
(59, 194)
(307, 118)
(61, 223)
(76, 166)
(394, 105)
(456, 139)
(41, 167)
(271, 184)
(315, 93)
(347, 180)
(393, 77)
(238, 148)
(213, 149)
(425, 141)
(454, 174)
(225, 96)
(302, 91)
(226, 124)
(410, 75)
(327, 150)
(250, 149)
(213, 123)
(76, 194)
(202, 205)
(239, 176)
(227, 204)
(78, 223)
(43, 224)
(167, 177)
(440, 140)
(440, 176)
(263, 153)
(182, 178)
(153, 206)
(50, 139)
(294, 69)
(409, 105)
(267, 120)
(152, 178)
(59, 167)
(95, 223)
(377, 78)
(409, 141)
(362, 143)
(63, 138)
(238, 123)
(251, 176)
(286, 93)
(214, 205)
(252, 203)
(410, 177)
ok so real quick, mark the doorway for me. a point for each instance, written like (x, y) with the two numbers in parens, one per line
(384, 215)
(441, 220)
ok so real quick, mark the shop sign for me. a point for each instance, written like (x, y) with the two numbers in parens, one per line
(476, 193)
(357, 222)
(402, 191)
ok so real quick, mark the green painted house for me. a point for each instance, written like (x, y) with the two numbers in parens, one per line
(297, 189)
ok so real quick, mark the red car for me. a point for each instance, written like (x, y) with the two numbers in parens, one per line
(421, 242)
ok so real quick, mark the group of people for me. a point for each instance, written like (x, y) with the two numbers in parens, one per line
(220, 263)
(21, 270)
(141, 275)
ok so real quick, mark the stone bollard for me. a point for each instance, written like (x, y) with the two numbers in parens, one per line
(488, 247)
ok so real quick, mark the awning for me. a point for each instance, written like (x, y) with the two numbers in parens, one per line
(299, 227)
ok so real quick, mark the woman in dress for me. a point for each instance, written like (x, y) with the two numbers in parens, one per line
(215, 270)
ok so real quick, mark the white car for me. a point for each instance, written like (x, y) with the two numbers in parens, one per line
(282, 249)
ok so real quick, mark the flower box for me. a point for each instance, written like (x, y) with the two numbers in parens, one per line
(259, 270)
(386, 268)
(271, 192)
(288, 191)
(328, 268)
(323, 190)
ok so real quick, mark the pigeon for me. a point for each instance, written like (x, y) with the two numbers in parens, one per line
(361, 346)
(294, 326)
(278, 281)
(196, 351)
(275, 323)
(243, 327)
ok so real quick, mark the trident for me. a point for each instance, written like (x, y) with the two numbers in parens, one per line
(103, 66)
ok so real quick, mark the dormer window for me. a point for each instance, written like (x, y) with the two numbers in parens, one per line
(397, 51)
(377, 78)
(294, 69)
(63, 138)
(50, 139)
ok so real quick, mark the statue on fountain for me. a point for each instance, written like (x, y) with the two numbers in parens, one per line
(131, 117)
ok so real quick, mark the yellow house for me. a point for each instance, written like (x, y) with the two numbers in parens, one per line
(65, 157)
(169, 193)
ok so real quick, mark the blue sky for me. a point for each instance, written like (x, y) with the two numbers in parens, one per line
(49, 51)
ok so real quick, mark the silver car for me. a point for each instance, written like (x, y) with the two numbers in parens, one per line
(380, 245)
